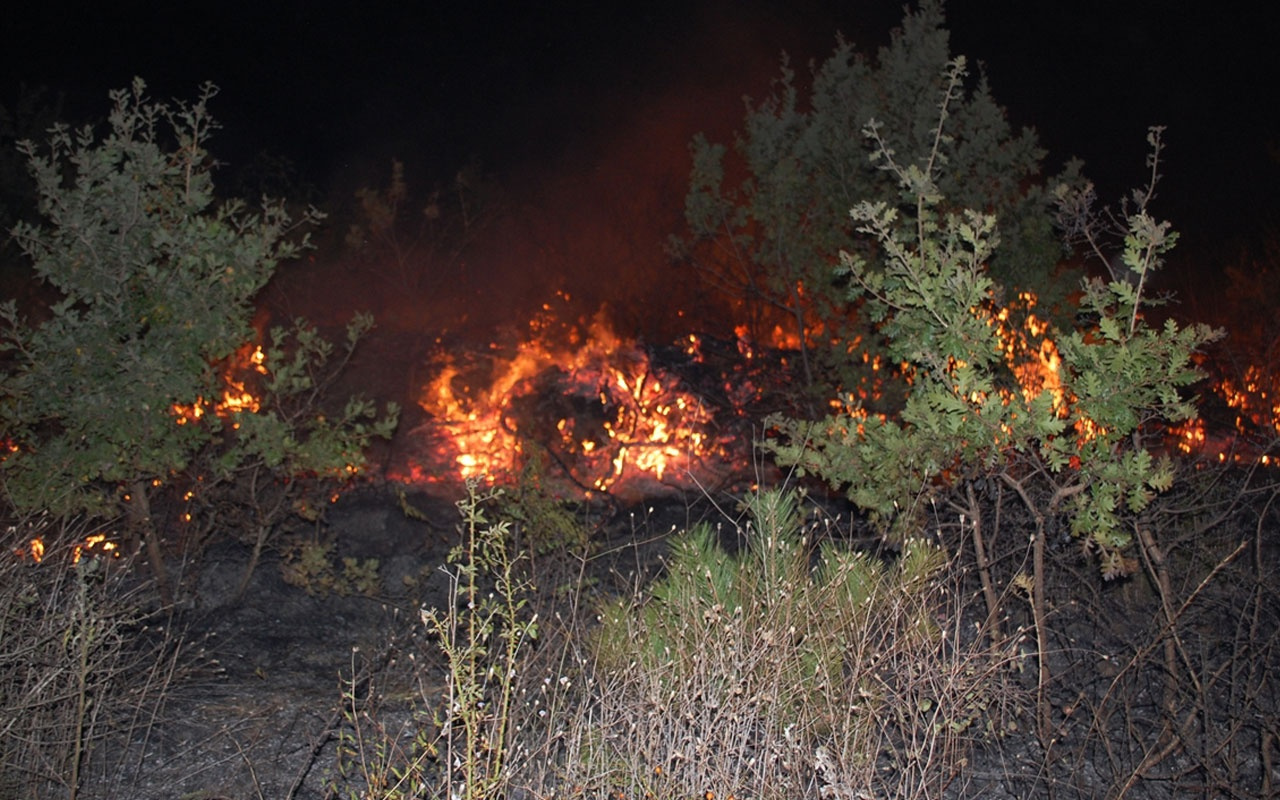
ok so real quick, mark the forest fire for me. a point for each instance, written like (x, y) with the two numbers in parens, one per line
(609, 416)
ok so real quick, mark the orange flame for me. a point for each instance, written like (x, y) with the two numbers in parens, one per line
(595, 400)
(94, 544)
(235, 397)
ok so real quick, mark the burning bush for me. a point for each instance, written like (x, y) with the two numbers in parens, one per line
(78, 666)
(1075, 445)
(767, 220)
(592, 400)
(111, 400)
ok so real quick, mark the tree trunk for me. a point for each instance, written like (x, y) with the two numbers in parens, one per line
(992, 626)
(255, 556)
(142, 526)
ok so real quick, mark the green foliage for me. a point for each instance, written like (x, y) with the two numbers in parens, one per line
(156, 281)
(767, 225)
(544, 524)
(290, 432)
(33, 113)
(724, 610)
(781, 673)
(483, 635)
(311, 565)
(118, 391)
(985, 403)
(280, 454)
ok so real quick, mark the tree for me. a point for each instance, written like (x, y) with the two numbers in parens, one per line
(156, 278)
(1065, 419)
(765, 225)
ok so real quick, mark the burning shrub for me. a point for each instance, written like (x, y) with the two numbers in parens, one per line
(771, 241)
(105, 401)
(282, 454)
(78, 667)
(591, 399)
(1074, 444)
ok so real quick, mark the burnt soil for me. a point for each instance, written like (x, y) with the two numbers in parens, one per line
(256, 711)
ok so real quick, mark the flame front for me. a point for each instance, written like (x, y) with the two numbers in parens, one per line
(593, 400)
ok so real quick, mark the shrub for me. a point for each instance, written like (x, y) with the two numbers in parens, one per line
(78, 666)
(767, 221)
(778, 672)
(1065, 419)
(156, 280)
(33, 112)
(484, 632)
(767, 675)
(284, 457)
(312, 566)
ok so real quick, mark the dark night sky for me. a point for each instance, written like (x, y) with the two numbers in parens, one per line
(534, 87)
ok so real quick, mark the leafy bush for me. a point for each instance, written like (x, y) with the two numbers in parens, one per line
(766, 224)
(284, 459)
(313, 567)
(1064, 419)
(33, 112)
(760, 675)
(156, 280)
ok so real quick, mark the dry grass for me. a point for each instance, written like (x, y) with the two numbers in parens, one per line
(768, 676)
(79, 665)
(787, 668)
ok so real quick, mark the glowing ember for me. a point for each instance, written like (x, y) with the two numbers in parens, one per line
(590, 399)
(246, 361)
(1245, 428)
(1255, 398)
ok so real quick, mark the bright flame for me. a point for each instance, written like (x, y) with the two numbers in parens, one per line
(594, 400)
(235, 397)
(1028, 351)
(94, 544)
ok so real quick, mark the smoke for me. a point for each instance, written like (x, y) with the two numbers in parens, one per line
(591, 164)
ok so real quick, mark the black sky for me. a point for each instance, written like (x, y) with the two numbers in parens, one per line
(341, 88)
